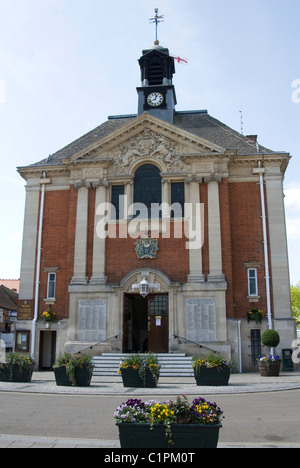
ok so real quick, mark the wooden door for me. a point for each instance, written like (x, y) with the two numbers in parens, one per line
(158, 324)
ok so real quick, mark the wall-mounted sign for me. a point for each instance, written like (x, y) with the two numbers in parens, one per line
(25, 310)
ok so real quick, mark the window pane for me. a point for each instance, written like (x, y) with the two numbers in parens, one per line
(117, 191)
(51, 285)
(177, 196)
(252, 280)
(147, 186)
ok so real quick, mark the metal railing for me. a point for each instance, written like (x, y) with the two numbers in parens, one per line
(115, 337)
(177, 337)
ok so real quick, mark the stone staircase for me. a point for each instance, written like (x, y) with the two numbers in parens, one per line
(172, 365)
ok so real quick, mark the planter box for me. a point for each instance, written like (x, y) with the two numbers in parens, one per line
(212, 377)
(183, 436)
(18, 374)
(83, 377)
(270, 370)
(131, 378)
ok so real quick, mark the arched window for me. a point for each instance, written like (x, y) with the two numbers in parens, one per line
(147, 186)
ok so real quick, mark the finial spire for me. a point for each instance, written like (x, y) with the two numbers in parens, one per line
(157, 19)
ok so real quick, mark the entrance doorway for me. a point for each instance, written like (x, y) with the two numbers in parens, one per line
(47, 350)
(146, 324)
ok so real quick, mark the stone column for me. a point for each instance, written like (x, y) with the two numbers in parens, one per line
(99, 242)
(278, 243)
(195, 222)
(81, 233)
(29, 243)
(214, 230)
(166, 198)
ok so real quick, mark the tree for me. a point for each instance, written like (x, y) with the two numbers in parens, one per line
(295, 295)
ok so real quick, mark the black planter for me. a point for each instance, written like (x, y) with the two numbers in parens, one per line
(83, 377)
(184, 436)
(212, 376)
(131, 378)
(17, 374)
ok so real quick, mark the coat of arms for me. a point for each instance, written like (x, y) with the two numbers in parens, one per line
(146, 248)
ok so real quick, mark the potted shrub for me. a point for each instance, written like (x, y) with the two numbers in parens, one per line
(16, 368)
(140, 370)
(169, 424)
(269, 366)
(76, 371)
(212, 370)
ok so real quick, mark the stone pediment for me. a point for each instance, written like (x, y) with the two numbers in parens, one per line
(145, 138)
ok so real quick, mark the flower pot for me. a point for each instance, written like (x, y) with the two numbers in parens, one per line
(132, 378)
(270, 369)
(83, 377)
(183, 436)
(17, 374)
(212, 376)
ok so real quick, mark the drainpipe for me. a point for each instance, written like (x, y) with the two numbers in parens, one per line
(43, 183)
(261, 172)
(240, 346)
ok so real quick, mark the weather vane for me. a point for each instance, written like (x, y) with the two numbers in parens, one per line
(157, 19)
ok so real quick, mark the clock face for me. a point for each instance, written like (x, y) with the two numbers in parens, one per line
(155, 99)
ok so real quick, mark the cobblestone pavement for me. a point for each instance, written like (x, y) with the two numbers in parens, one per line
(44, 382)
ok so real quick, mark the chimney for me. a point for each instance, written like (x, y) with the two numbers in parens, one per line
(252, 138)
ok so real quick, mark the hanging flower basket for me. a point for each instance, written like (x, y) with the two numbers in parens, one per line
(49, 315)
(255, 314)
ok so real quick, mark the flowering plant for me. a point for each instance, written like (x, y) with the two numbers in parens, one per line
(210, 361)
(269, 358)
(255, 314)
(14, 359)
(49, 315)
(142, 362)
(169, 413)
(71, 363)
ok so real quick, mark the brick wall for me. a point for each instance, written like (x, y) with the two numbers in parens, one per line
(172, 258)
(58, 247)
(246, 244)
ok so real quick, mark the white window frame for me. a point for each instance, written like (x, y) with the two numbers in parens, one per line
(49, 281)
(252, 278)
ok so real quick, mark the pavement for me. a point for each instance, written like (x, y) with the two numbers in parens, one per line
(44, 383)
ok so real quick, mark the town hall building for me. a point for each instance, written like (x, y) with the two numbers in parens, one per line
(157, 232)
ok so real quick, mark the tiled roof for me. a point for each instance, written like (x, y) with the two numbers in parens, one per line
(199, 123)
(8, 298)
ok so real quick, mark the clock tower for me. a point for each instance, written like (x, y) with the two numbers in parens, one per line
(157, 93)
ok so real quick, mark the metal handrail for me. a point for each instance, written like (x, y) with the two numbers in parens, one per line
(115, 337)
(177, 337)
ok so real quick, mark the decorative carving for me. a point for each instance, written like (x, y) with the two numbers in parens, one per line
(147, 144)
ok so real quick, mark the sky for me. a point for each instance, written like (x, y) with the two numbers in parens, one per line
(65, 65)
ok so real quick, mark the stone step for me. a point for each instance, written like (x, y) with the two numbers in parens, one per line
(172, 364)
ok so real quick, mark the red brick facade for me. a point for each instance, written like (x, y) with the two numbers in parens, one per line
(242, 244)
